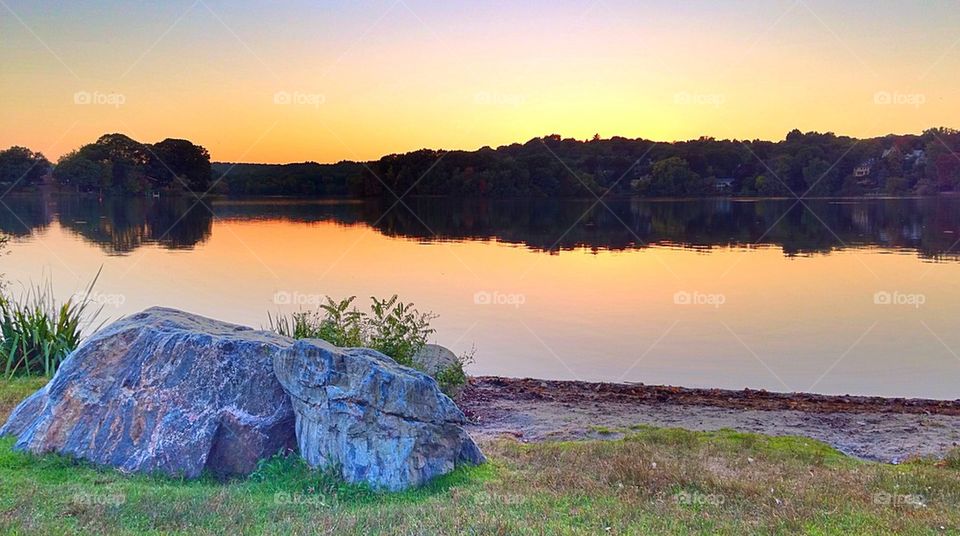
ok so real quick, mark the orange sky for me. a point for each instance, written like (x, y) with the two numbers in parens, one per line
(293, 81)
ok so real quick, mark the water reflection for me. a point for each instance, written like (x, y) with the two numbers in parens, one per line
(122, 225)
(118, 225)
(928, 227)
(21, 216)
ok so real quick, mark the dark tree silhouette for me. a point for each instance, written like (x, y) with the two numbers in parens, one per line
(20, 167)
(116, 163)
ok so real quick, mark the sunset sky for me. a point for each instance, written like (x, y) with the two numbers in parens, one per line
(325, 81)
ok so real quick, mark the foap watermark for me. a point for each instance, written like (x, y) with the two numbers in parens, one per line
(695, 498)
(683, 297)
(99, 499)
(97, 98)
(685, 98)
(284, 297)
(299, 98)
(896, 98)
(898, 499)
(484, 498)
(100, 298)
(283, 498)
(486, 297)
(884, 297)
(488, 98)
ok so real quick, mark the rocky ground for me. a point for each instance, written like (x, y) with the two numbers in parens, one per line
(883, 429)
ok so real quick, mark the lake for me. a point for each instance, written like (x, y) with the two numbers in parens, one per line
(829, 296)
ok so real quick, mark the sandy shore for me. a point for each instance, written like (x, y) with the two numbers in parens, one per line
(883, 429)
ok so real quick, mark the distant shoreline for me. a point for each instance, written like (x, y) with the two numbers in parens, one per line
(570, 390)
(219, 196)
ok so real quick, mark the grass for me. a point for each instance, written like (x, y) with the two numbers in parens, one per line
(654, 481)
(14, 390)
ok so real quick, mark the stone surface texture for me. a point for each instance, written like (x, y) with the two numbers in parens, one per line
(163, 391)
(378, 422)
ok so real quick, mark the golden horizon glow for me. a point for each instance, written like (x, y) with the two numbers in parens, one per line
(356, 81)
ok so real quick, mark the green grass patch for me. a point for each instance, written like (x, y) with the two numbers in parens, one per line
(653, 481)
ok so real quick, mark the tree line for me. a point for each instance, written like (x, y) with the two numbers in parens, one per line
(114, 164)
(811, 163)
(302, 179)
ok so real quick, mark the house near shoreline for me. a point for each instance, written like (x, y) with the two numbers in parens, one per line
(916, 157)
(723, 184)
(865, 168)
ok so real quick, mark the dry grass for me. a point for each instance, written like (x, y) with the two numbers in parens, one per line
(727, 482)
(12, 392)
(656, 481)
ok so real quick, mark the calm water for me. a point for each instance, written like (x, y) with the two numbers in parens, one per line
(834, 297)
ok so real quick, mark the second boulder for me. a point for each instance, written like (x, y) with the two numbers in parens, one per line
(378, 422)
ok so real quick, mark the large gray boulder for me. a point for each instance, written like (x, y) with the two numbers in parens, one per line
(434, 359)
(378, 422)
(163, 391)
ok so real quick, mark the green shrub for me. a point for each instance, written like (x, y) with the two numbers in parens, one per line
(397, 329)
(37, 333)
(337, 325)
(392, 327)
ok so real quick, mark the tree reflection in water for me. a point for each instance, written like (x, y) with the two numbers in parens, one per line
(930, 226)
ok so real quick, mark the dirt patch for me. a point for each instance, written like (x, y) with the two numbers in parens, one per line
(875, 428)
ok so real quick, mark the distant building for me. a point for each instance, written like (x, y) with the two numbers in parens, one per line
(864, 169)
(916, 157)
(723, 184)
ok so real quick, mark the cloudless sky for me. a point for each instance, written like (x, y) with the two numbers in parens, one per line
(291, 81)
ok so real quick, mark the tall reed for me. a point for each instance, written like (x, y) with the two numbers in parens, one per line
(37, 333)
